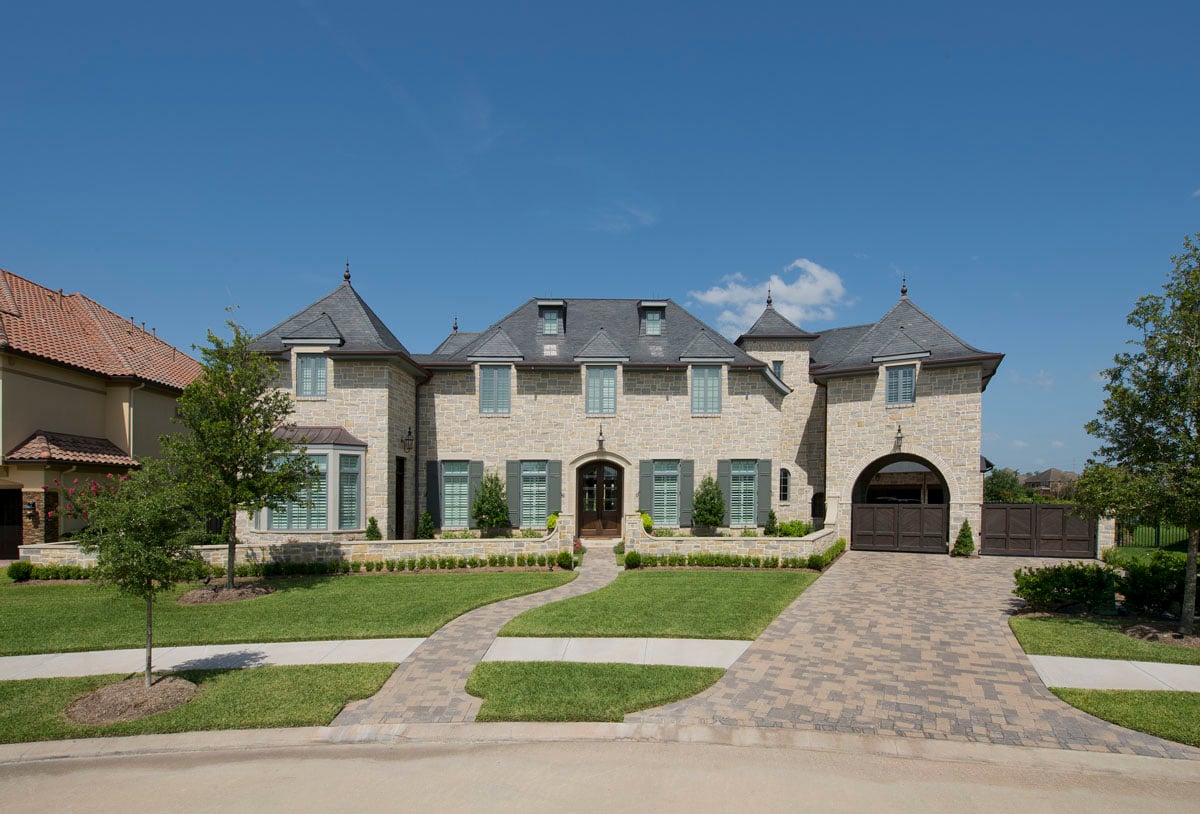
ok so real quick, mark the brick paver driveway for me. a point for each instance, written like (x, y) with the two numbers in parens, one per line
(911, 645)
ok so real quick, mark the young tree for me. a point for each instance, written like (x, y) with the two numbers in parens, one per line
(708, 504)
(1004, 486)
(491, 507)
(1148, 463)
(138, 526)
(230, 459)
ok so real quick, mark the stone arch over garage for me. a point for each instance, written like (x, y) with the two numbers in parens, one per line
(900, 500)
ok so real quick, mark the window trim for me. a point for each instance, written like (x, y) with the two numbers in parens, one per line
(670, 468)
(741, 468)
(333, 455)
(466, 479)
(706, 408)
(301, 359)
(601, 379)
(897, 371)
(785, 485)
(532, 474)
(501, 394)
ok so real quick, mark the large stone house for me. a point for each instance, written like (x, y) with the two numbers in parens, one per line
(599, 409)
(83, 393)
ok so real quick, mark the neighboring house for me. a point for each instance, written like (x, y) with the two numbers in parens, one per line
(597, 409)
(83, 393)
(1051, 482)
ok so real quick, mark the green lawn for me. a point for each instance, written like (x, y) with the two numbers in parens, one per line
(561, 691)
(1094, 638)
(1171, 715)
(309, 695)
(1122, 555)
(42, 617)
(670, 604)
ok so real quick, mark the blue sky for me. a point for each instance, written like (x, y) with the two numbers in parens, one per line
(1031, 168)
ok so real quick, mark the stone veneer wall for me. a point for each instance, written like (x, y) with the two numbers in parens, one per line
(547, 421)
(814, 543)
(1106, 534)
(943, 426)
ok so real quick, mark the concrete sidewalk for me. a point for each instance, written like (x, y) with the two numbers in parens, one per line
(1110, 674)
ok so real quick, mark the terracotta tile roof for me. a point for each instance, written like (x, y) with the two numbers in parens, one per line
(73, 330)
(58, 447)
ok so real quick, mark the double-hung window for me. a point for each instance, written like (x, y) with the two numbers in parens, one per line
(456, 508)
(654, 320)
(533, 494)
(665, 507)
(349, 495)
(901, 384)
(310, 374)
(549, 321)
(743, 495)
(601, 389)
(706, 390)
(494, 390)
(310, 510)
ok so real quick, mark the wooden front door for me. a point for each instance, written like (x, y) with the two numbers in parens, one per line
(10, 523)
(599, 500)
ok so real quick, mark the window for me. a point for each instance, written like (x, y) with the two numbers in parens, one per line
(743, 495)
(601, 390)
(283, 375)
(494, 389)
(654, 320)
(550, 321)
(665, 506)
(311, 378)
(310, 510)
(777, 369)
(533, 494)
(706, 390)
(456, 508)
(785, 486)
(348, 491)
(901, 383)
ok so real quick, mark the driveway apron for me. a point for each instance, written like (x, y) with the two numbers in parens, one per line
(430, 686)
(909, 645)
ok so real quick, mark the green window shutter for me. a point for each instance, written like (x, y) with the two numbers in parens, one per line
(687, 486)
(764, 492)
(553, 487)
(646, 486)
(512, 489)
(433, 491)
(724, 480)
(474, 476)
(348, 491)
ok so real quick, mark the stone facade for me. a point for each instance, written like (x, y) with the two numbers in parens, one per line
(815, 543)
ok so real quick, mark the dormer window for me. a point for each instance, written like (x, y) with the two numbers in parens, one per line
(550, 322)
(550, 316)
(653, 316)
(654, 323)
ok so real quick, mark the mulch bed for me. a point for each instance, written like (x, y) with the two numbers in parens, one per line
(1162, 633)
(216, 594)
(130, 700)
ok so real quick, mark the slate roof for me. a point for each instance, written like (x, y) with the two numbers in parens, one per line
(57, 447)
(343, 319)
(319, 435)
(73, 330)
(774, 325)
(596, 328)
(904, 331)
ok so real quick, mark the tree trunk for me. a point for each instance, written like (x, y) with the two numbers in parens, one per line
(149, 635)
(1187, 615)
(231, 539)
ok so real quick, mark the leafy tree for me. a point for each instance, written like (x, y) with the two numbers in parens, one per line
(490, 509)
(1004, 486)
(1148, 463)
(708, 504)
(231, 459)
(142, 532)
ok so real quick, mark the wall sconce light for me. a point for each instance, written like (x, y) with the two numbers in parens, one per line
(408, 441)
(600, 440)
(31, 508)
(899, 435)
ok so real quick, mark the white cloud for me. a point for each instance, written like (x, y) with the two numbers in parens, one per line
(1020, 444)
(622, 218)
(1057, 444)
(804, 292)
(1044, 379)
(1196, 194)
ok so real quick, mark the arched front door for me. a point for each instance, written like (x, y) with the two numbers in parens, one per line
(599, 500)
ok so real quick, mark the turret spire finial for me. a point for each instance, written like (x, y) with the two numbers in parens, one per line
(904, 286)
(346, 276)
(455, 326)
(768, 296)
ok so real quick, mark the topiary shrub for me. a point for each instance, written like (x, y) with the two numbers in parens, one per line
(1058, 586)
(632, 560)
(772, 527)
(565, 560)
(708, 504)
(20, 571)
(490, 509)
(647, 523)
(794, 528)
(552, 522)
(964, 544)
(373, 532)
(425, 527)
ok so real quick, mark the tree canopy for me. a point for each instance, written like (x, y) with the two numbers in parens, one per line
(1148, 462)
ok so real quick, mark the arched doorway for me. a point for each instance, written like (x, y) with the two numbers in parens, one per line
(599, 489)
(901, 503)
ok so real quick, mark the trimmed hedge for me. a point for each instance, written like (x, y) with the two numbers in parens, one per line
(815, 562)
(1057, 586)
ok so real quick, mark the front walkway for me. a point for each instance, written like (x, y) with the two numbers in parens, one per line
(909, 645)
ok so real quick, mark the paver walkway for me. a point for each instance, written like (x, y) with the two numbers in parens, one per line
(911, 645)
(430, 686)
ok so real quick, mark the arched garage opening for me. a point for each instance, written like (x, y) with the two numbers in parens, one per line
(901, 503)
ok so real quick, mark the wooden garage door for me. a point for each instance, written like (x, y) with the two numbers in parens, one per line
(899, 527)
(1036, 530)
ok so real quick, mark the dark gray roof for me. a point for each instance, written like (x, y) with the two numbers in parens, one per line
(319, 436)
(341, 314)
(774, 325)
(599, 328)
(495, 345)
(905, 330)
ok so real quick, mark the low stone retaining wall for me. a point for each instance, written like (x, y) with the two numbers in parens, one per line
(815, 543)
(351, 551)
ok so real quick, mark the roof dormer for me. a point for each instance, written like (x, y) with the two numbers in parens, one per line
(652, 317)
(552, 317)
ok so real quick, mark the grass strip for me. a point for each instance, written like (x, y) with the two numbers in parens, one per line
(277, 696)
(1174, 716)
(670, 604)
(67, 617)
(563, 691)
(1092, 638)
